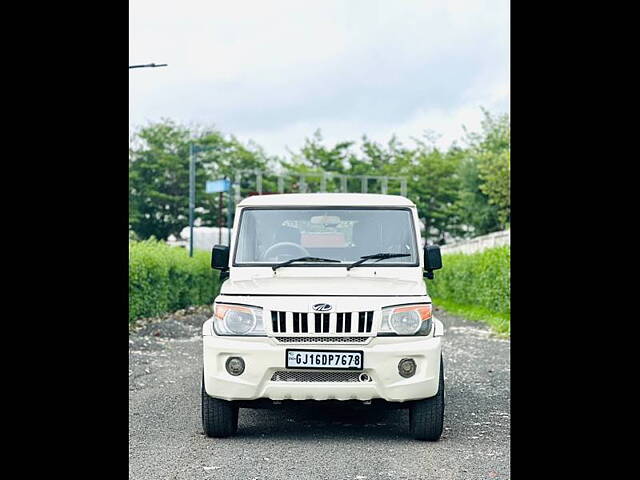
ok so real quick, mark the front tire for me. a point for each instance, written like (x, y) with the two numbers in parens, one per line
(219, 417)
(426, 416)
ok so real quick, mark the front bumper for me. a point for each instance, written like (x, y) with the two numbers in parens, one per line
(264, 355)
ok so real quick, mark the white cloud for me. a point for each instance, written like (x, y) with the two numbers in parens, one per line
(276, 71)
(448, 124)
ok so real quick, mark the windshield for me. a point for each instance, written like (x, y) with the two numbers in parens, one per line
(271, 236)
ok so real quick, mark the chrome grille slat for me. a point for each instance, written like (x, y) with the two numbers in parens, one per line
(332, 322)
(289, 321)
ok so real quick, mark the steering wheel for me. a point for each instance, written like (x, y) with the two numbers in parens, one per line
(286, 248)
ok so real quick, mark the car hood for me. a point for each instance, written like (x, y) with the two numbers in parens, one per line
(378, 282)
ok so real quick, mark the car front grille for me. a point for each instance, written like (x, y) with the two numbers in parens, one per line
(335, 339)
(319, 377)
(313, 322)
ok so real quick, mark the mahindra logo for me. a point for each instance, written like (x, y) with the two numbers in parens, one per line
(322, 307)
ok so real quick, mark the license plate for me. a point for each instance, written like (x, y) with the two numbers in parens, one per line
(324, 359)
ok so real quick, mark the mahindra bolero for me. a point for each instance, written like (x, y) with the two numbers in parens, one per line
(323, 298)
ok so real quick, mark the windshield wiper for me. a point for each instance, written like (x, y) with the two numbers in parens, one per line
(378, 257)
(303, 259)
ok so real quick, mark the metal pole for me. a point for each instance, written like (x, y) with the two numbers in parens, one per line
(237, 186)
(259, 182)
(229, 221)
(220, 219)
(192, 195)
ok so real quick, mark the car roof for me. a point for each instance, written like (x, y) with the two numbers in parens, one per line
(327, 199)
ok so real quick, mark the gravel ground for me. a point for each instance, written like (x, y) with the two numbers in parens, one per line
(166, 439)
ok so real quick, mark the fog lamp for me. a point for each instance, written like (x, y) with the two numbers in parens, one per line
(235, 366)
(407, 367)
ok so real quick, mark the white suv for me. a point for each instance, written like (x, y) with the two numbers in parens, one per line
(323, 298)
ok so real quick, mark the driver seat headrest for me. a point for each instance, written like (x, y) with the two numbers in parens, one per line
(288, 234)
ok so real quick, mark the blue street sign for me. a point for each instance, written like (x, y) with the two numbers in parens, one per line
(221, 185)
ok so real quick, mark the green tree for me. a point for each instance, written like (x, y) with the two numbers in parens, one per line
(432, 178)
(460, 191)
(432, 175)
(483, 203)
(159, 175)
(315, 157)
(490, 150)
(495, 173)
(434, 185)
(476, 215)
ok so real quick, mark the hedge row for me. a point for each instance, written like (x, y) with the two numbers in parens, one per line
(478, 279)
(164, 279)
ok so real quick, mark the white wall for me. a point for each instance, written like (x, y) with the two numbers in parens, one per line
(204, 238)
(477, 244)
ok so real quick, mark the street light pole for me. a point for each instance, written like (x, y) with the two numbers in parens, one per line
(193, 150)
(229, 213)
(148, 65)
(192, 195)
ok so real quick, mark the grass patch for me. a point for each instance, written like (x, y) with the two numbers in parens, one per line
(499, 322)
(476, 286)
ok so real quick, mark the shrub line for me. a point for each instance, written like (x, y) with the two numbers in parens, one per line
(476, 286)
(163, 279)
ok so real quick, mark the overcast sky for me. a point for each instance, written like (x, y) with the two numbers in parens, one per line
(275, 71)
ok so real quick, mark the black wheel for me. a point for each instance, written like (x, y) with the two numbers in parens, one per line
(426, 416)
(219, 417)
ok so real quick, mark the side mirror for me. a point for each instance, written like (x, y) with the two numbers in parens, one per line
(432, 260)
(220, 257)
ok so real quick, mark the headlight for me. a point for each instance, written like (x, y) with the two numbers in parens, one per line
(238, 320)
(406, 320)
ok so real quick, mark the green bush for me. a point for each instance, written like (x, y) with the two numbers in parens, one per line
(164, 279)
(480, 280)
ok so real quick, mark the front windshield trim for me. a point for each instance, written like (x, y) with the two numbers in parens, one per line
(342, 264)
